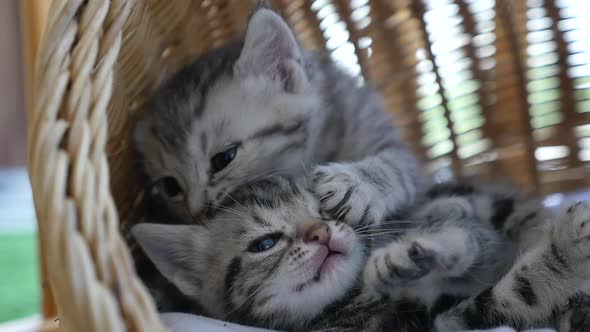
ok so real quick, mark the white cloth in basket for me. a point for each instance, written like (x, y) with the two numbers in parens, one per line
(180, 322)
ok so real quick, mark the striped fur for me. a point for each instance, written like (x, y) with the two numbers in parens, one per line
(450, 263)
(287, 112)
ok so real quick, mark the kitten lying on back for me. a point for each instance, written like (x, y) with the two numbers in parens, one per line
(270, 260)
(265, 106)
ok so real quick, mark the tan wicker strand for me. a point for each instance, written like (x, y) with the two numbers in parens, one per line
(510, 42)
(568, 102)
(483, 93)
(86, 261)
(345, 11)
(396, 80)
(418, 11)
(304, 22)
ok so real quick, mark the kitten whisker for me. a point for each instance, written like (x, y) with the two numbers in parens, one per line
(229, 219)
(378, 230)
(373, 235)
(472, 275)
(305, 170)
(257, 176)
(251, 297)
(234, 211)
(238, 203)
(244, 207)
(400, 221)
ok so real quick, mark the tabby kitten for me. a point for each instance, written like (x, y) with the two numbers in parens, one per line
(269, 259)
(265, 106)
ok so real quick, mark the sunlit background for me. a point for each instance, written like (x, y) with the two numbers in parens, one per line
(447, 36)
(453, 83)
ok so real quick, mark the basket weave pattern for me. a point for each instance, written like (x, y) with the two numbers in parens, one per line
(100, 60)
(84, 257)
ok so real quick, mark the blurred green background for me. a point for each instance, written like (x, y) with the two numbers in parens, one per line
(19, 276)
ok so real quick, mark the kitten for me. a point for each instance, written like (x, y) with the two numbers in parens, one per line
(265, 106)
(268, 259)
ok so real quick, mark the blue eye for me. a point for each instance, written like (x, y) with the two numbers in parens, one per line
(222, 159)
(264, 243)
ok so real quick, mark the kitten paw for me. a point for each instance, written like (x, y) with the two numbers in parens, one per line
(571, 239)
(425, 259)
(402, 263)
(346, 197)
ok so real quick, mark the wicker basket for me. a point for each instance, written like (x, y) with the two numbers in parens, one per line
(100, 59)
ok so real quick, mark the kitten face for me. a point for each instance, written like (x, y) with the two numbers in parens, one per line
(235, 115)
(267, 259)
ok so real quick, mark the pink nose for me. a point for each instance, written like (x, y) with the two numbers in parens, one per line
(319, 232)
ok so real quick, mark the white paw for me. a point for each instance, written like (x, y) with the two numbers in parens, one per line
(404, 262)
(345, 196)
(572, 238)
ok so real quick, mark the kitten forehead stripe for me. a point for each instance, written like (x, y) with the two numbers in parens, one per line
(295, 145)
(263, 193)
(278, 129)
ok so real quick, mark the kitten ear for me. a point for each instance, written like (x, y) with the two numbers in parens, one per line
(175, 250)
(270, 49)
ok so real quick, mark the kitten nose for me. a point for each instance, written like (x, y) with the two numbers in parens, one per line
(319, 232)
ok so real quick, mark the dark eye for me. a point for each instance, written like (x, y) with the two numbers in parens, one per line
(264, 243)
(222, 159)
(170, 188)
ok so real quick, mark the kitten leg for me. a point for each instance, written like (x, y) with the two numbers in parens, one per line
(540, 281)
(363, 192)
(444, 252)
(528, 224)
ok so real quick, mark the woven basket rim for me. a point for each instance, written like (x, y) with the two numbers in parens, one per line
(85, 260)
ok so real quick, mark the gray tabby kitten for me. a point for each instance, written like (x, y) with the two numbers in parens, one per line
(269, 259)
(265, 106)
